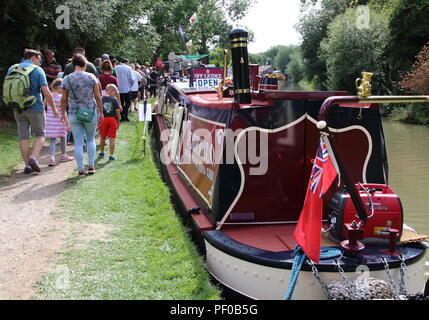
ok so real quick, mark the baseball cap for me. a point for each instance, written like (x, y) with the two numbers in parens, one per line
(105, 56)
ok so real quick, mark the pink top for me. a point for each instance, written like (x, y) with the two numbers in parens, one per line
(54, 127)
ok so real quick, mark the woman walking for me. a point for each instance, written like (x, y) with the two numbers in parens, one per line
(81, 93)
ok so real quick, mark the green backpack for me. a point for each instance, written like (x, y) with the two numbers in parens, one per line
(16, 88)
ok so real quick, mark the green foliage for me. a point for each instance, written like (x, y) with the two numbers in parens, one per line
(313, 28)
(409, 30)
(295, 67)
(257, 58)
(210, 32)
(417, 80)
(9, 149)
(351, 48)
(137, 29)
(216, 57)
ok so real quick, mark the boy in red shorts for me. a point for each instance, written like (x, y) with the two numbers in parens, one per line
(112, 116)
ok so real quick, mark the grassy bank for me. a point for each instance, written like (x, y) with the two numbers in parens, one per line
(10, 155)
(145, 253)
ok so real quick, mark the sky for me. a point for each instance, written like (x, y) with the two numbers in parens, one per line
(272, 22)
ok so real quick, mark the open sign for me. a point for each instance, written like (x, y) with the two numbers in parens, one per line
(206, 77)
(204, 83)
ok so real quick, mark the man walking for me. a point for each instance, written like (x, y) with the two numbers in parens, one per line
(50, 66)
(69, 68)
(32, 117)
(125, 82)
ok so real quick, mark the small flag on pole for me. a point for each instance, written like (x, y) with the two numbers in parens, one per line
(194, 19)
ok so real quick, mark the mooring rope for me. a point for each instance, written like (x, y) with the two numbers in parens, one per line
(326, 253)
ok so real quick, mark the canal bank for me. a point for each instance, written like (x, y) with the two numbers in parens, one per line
(121, 236)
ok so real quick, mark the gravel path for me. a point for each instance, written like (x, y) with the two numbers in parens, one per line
(31, 234)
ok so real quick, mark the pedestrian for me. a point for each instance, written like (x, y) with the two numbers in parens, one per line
(81, 90)
(125, 82)
(50, 66)
(144, 88)
(135, 87)
(31, 116)
(110, 124)
(107, 78)
(69, 68)
(153, 82)
(105, 57)
(114, 63)
(55, 127)
(97, 64)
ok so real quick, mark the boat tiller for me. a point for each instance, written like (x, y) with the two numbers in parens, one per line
(384, 212)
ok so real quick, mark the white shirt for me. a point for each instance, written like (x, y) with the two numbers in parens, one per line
(125, 78)
(137, 77)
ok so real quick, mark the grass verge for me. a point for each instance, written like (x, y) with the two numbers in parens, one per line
(10, 155)
(146, 253)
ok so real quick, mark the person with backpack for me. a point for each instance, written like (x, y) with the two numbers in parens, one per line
(22, 90)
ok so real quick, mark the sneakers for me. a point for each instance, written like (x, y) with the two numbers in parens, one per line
(34, 165)
(65, 158)
(81, 173)
(101, 155)
(28, 170)
(51, 161)
(91, 170)
(112, 158)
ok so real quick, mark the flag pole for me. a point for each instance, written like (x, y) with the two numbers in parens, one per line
(343, 172)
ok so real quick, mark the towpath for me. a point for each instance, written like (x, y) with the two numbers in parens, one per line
(31, 234)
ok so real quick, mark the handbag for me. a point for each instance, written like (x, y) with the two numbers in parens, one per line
(83, 114)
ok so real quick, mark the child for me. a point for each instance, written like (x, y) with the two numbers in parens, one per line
(55, 128)
(112, 117)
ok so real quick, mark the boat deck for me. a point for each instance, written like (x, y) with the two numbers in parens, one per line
(273, 238)
(277, 238)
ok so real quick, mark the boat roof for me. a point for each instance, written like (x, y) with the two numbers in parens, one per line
(208, 96)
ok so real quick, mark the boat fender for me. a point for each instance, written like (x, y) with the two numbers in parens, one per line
(194, 210)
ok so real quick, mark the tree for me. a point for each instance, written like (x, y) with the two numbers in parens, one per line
(295, 68)
(313, 28)
(211, 31)
(417, 80)
(409, 30)
(349, 49)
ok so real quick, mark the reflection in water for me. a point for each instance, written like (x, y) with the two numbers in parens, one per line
(408, 154)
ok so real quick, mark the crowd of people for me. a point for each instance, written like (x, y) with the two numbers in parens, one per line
(74, 101)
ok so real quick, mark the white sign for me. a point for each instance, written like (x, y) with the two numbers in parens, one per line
(207, 83)
(148, 112)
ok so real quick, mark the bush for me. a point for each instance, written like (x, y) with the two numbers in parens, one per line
(417, 80)
(350, 49)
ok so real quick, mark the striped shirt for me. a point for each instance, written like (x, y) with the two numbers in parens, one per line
(51, 69)
(54, 127)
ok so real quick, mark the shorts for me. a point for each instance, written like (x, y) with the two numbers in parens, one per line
(134, 95)
(30, 121)
(108, 127)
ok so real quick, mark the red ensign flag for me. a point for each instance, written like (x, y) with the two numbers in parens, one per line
(308, 229)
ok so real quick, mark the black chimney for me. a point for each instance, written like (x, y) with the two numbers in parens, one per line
(240, 65)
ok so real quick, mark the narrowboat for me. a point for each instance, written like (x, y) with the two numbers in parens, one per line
(245, 164)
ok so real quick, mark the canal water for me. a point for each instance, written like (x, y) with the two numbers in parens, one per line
(408, 159)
